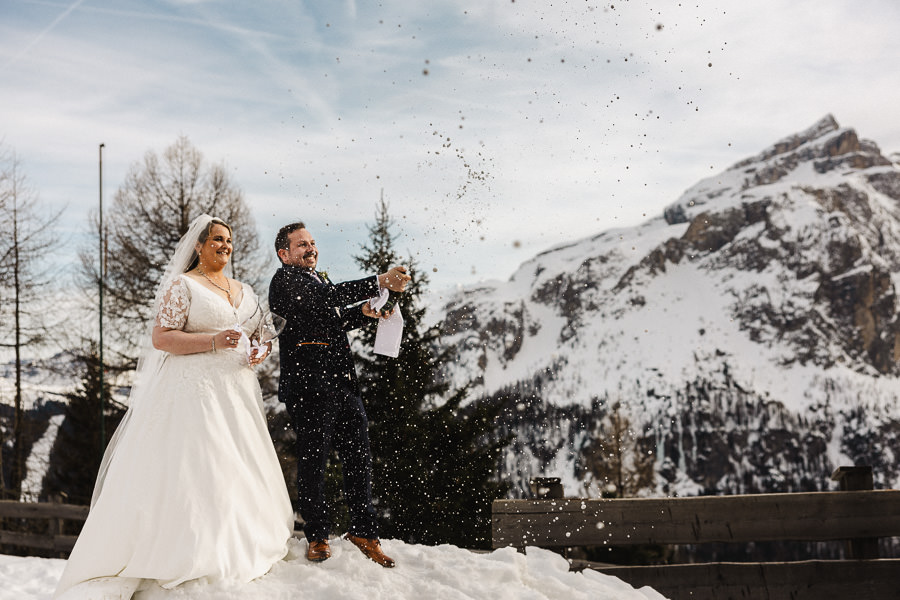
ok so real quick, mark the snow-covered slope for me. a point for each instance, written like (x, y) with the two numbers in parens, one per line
(762, 300)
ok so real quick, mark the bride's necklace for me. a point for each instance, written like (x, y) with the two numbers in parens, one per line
(227, 282)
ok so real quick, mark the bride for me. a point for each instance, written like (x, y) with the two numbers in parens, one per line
(190, 486)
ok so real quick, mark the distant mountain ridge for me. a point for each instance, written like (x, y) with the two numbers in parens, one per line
(749, 334)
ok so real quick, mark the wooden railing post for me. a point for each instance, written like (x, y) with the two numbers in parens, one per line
(55, 525)
(853, 479)
(545, 488)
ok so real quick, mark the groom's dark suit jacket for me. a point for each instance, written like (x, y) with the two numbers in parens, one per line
(315, 351)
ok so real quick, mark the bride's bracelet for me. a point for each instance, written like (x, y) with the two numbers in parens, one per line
(213, 338)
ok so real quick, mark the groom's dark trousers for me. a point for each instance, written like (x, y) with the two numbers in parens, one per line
(319, 388)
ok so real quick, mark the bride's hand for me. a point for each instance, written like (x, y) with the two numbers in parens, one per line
(260, 353)
(227, 339)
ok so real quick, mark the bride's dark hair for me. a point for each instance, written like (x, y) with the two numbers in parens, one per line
(204, 234)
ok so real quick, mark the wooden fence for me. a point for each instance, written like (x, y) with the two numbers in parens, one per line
(49, 522)
(54, 540)
(857, 516)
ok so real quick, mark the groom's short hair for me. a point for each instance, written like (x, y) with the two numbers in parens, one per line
(281, 240)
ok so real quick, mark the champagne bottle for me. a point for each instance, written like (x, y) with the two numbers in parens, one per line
(393, 298)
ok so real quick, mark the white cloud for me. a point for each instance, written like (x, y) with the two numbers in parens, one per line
(583, 115)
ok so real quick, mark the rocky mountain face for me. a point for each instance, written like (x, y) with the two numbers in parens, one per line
(746, 340)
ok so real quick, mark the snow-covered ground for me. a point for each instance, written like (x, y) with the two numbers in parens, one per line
(441, 573)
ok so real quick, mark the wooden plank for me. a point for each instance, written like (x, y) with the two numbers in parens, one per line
(64, 543)
(815, 516)
(806, 580)
(58, 543)
(42, 510)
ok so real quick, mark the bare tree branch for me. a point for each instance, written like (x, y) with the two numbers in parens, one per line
(27, 237)
(152, 209)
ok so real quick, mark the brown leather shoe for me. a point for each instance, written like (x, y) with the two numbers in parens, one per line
(372, 549)
(318, 551)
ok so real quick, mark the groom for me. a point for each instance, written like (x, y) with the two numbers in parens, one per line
(319, 388)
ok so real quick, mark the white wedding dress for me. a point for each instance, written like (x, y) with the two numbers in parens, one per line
(193, 488)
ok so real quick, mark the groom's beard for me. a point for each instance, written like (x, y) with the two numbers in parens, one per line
(310, 260)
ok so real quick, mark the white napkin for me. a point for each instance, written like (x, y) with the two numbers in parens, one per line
(378, 301)
(244, 344)
(390, 329)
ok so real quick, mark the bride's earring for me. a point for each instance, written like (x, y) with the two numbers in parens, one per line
(198, 248)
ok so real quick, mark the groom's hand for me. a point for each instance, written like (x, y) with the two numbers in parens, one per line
(395, 279)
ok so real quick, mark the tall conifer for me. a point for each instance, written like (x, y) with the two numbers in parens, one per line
(76, 453)
(434, 464)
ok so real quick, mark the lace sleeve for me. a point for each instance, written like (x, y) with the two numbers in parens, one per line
(172, 311)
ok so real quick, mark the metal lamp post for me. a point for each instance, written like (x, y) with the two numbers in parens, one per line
(101, 285)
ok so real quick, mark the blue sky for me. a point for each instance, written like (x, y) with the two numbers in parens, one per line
(495, 128)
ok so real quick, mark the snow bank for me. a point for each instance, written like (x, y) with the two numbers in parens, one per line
(442, 572)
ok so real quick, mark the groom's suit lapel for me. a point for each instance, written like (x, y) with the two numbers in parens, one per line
(322, 277)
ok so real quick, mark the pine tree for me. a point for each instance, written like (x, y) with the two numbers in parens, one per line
(434, 464)
(77, 452)
(618, 459)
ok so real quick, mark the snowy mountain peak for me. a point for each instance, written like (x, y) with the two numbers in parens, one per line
(820, 149)
(771, 283)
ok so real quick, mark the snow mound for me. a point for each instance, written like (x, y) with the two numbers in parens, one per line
(445, 572)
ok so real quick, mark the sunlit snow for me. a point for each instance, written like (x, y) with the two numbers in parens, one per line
(441, 572)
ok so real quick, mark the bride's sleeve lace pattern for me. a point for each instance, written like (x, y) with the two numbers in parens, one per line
(173, 308)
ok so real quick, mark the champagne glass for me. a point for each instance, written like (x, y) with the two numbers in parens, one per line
(263, 327)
